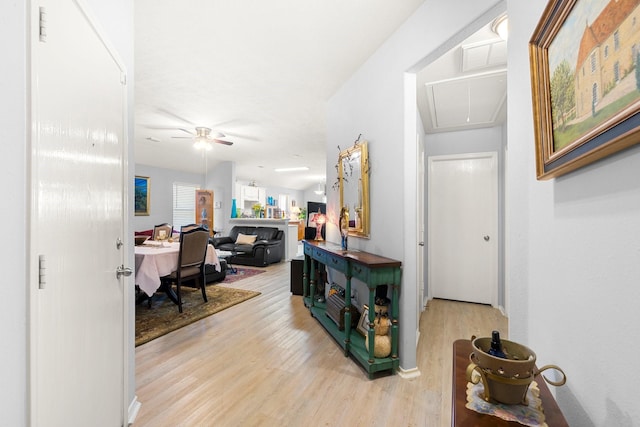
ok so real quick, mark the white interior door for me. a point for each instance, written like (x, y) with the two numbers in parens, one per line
(77, 216)
(462, 227)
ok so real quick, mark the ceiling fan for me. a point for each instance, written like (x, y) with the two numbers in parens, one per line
(203, 138)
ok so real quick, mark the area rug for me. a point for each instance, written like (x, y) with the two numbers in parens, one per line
(242, 273)
(163, 316)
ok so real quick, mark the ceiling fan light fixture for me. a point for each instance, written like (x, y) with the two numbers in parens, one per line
(202, 141)
(202, 144)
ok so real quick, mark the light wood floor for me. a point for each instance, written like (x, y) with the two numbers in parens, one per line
(267, 362)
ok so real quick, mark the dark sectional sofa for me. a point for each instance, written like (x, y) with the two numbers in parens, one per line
(268, 247)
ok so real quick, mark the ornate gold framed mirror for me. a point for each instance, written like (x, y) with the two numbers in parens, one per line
(353, 176)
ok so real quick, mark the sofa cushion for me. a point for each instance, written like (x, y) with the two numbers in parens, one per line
(226, 246)
(246, 249)
(245, 239)
(266, 233)
(244, 229)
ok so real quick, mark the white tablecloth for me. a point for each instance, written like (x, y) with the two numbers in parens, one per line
(154, 262)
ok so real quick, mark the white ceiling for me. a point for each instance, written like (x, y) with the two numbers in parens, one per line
(466, 88)
(261, 73)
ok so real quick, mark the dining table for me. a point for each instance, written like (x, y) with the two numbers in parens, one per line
(154, 260)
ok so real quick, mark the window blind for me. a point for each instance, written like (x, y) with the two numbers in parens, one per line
(184, 204)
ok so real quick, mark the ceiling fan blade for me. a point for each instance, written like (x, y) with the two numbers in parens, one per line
(187, 131)
(154, 127)
(174, 115)
(241, 136)
(219, 141)
(182, 137)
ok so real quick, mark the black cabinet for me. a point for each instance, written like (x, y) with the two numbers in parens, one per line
(296, 275)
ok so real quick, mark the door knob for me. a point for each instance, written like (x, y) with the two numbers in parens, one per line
(486, 238)
(123, 271)
(420, 243)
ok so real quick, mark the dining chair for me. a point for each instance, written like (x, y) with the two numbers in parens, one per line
(191, 260)
(166, 227)
(189, 227)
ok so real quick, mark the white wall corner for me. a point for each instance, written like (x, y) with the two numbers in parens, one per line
(408, 374)
(134, 408)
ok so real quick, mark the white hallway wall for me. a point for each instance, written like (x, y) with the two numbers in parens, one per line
(573, 258)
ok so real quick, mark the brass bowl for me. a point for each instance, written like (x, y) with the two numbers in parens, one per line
(505, 380)
(520, 362)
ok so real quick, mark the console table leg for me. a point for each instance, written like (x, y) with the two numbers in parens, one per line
(305, 277)
(312, 290)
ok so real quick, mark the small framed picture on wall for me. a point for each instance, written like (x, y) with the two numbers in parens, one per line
(141, 195)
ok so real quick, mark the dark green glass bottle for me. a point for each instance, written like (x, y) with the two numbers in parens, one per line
(496, 346)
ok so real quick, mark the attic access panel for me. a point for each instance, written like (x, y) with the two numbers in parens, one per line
(467, 101)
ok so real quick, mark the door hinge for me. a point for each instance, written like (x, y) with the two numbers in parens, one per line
(41, 270)
(42, 24)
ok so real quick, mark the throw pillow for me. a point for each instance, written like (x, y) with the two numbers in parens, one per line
(245, 239)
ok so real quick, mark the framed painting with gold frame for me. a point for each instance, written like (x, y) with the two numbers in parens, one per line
(141, 195)
(585, 89)
(204, 209)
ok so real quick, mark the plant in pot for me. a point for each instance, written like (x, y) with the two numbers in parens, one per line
(257, 208)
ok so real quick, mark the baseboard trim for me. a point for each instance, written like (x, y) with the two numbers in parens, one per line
(502, 310)
(134, 408)
(408, 374)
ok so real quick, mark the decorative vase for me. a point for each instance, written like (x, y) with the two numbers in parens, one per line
(344, 242)
(344, 228)
(234, 210)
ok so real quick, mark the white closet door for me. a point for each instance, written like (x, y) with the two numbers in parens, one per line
(462, 227)
(78, 142)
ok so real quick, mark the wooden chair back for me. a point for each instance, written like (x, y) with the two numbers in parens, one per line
(168, 228)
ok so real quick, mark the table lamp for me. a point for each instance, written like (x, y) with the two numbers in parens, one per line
(295, 213)
(320, 220)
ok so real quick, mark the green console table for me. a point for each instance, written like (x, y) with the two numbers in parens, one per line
(373, 271)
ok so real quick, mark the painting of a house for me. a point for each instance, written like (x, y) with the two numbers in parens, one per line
(608, 53)
(594, 68)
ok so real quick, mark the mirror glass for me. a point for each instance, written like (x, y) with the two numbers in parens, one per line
(353, 175)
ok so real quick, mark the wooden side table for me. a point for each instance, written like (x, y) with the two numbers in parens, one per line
(461, 416)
